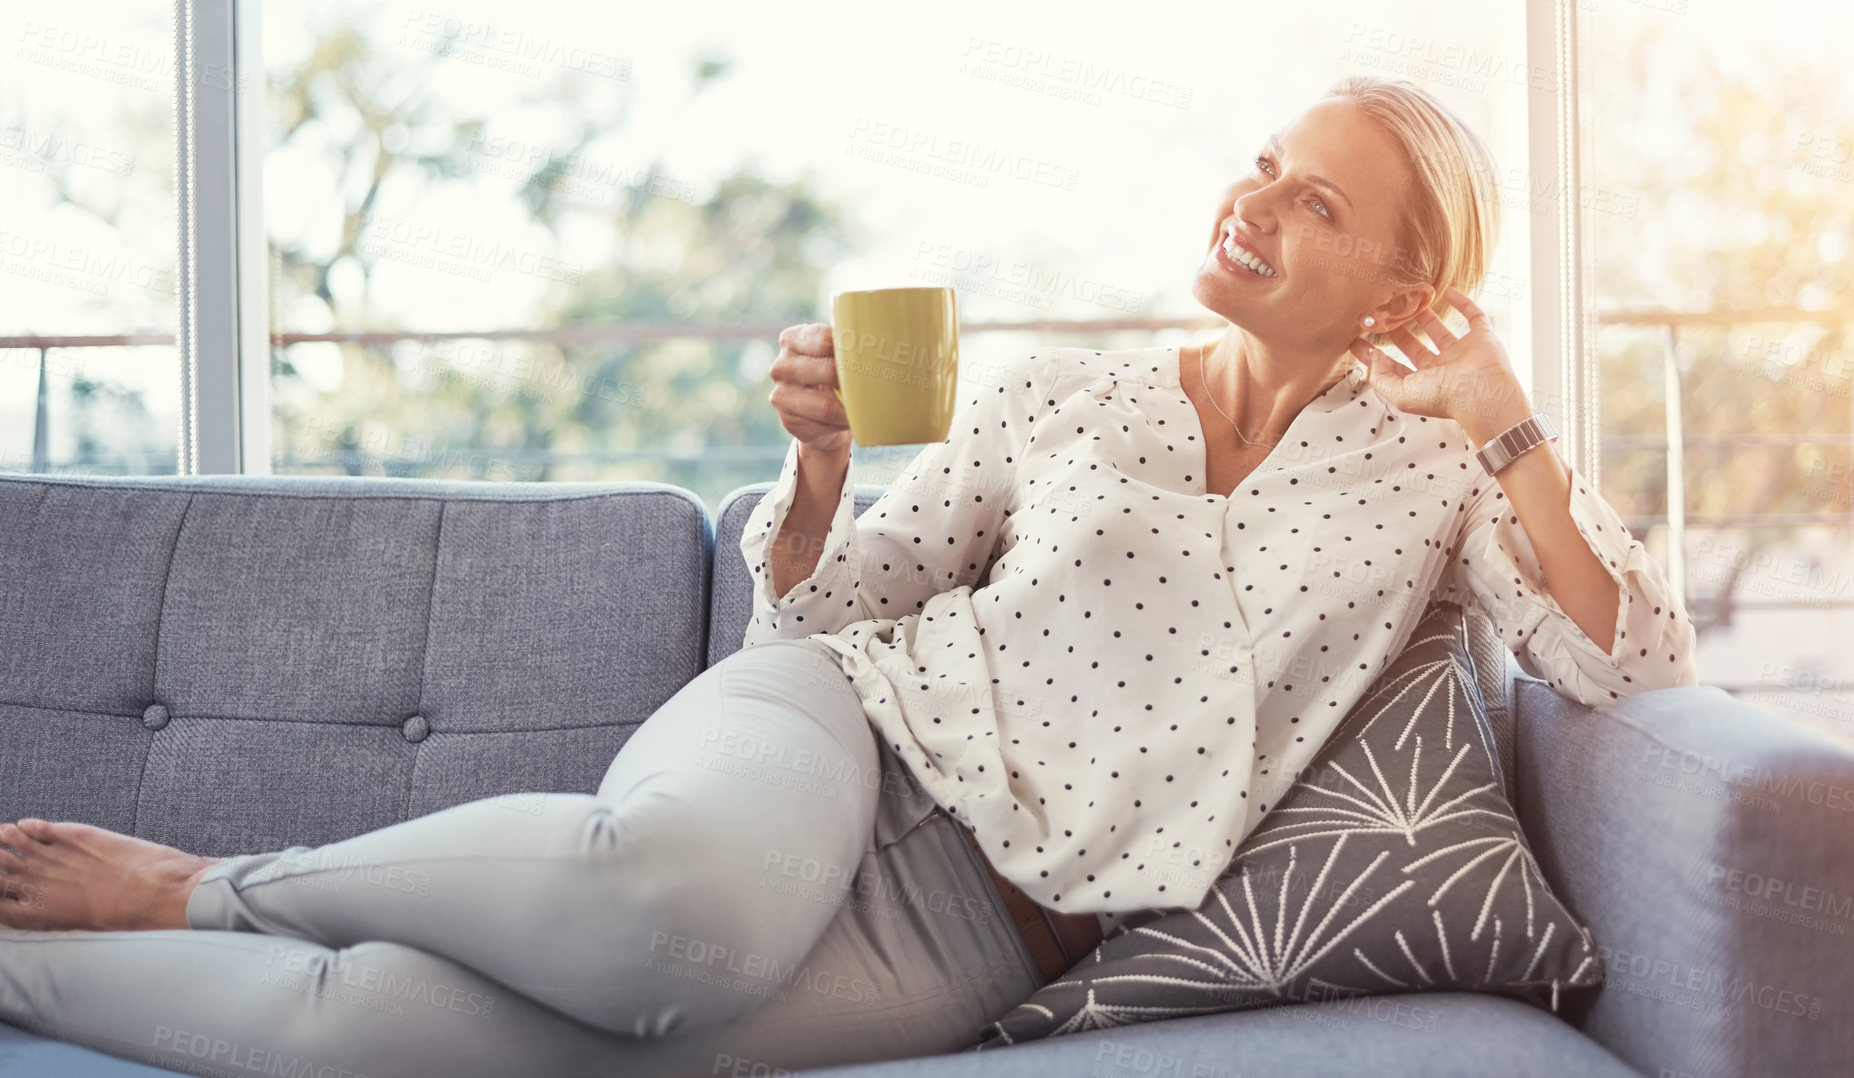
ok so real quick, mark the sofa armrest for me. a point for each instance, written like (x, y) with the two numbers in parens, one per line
(1710, 848)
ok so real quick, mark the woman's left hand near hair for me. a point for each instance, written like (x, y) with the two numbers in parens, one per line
(1466, 378)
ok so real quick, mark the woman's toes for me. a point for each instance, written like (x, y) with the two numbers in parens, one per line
(51, 832)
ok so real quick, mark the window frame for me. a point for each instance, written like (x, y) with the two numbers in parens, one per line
(1564, 360)
(222, 280)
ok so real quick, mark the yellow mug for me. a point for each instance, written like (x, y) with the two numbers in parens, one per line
(897, 353)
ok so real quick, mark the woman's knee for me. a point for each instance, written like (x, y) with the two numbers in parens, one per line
(783, 708)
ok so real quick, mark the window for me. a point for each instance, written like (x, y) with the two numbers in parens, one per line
(599, 222)
(89, 380)
(1720, 215)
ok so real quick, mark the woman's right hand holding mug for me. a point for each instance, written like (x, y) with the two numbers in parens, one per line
(804, 382)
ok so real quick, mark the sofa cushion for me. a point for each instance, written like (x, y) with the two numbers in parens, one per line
(28, 1055)
(231, 664)
(1393, 864)
(1431, 1035)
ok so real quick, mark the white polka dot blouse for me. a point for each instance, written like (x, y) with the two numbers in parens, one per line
(1109, 672)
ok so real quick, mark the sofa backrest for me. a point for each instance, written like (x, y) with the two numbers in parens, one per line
(238, 663)
(733, 607)
(731, 586)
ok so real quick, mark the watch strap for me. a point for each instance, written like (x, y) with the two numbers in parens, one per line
(1530, 432)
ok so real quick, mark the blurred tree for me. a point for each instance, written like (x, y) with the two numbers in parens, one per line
(751, 249)
(1728, 215)
(98, 179)
(110, 423)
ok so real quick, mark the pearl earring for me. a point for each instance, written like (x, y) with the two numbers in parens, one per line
(1370, 321)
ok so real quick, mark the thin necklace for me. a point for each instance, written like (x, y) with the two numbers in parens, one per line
(1213, 403)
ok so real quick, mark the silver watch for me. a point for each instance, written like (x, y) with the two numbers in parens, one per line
(1534, 430)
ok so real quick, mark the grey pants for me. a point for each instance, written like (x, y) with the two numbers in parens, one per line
(758, 885)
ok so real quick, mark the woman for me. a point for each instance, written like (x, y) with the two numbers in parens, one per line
(1075, 655)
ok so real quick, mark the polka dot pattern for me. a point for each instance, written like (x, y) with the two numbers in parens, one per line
(1110, 672)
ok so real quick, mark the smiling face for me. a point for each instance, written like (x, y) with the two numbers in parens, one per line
(1322, 210)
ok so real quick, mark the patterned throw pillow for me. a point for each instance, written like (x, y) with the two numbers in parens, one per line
(1393, 864)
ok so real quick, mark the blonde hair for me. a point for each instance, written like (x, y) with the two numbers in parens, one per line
(1452, 224)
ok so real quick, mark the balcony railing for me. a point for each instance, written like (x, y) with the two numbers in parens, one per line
(1676, 519)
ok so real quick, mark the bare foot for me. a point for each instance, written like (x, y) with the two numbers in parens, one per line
(76, 875)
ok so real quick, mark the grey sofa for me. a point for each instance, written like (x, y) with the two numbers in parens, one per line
(233, 663)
